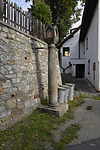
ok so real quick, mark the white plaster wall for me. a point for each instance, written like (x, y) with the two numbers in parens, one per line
(74, 51)
(92, 52)
(82, 50)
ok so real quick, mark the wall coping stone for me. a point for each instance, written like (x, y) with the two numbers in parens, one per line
(26, 34)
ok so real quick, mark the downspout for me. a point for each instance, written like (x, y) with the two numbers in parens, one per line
(79, 49)
(98, 43)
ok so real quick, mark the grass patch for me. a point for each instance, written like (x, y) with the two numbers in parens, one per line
(44, 101)
(68, 135)
(96, 98)
(83, 96)
(89, 107)
(33, 131)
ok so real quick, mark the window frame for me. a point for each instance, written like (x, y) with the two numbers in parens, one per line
(66, 49)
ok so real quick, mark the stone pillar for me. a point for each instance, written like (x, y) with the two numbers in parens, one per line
(51, 38)
(52, 76)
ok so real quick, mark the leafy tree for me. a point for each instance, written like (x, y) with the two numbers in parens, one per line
(41, 11)
(64, 12)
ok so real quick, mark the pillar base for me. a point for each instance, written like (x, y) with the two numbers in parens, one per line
(53, 105)
(57, 111)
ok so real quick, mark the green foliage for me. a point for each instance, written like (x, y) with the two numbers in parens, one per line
(42, 12)
(68, 135)
(89, 107)
(96, 98)
(83, 96)
(44, 101)
(65, 11)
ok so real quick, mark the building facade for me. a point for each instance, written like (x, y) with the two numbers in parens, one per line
(84, 46)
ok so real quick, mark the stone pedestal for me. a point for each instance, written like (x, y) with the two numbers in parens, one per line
(58, 111)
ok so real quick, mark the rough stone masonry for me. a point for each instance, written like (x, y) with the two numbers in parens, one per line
(23, 74)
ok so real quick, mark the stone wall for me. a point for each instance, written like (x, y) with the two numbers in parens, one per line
(23, 74)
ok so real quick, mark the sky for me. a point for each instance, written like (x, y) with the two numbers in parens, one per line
(79, 22)
(22, 3)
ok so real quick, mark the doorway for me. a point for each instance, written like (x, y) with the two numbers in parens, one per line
(80, 70)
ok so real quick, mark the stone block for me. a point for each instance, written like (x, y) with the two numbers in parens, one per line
(2, 126)
(10, 76)
(20, 106)
(2, 108)
(6, 119)
(7, 84)
(5, 97)
(10, 90)
(1, 91)
(15, 113)
(5, 113)
(3, 70)
(18, 100)
(36, 95)
(5, 29)
(2, 103)
(11, 36)
(11, 104)
(27, 104)
(3, 34)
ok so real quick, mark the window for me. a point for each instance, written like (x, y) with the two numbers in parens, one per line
(94, 69)
(89, 66)
(94, 66)
(66, 51)
(87, 43)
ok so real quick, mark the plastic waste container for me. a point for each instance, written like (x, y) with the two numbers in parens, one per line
(61, 95)
(66, 93)
(71, 90)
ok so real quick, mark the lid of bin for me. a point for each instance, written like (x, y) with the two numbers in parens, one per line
(64, 86)
(61, 88)
(69, 84)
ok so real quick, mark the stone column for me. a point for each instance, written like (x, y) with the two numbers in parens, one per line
(52, 37)
(52, 76)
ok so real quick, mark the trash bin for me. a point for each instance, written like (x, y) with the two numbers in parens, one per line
(71, 90)
(66, 93)
(61, 95)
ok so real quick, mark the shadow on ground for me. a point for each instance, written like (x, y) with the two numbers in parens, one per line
(88, 145)
(81, 84)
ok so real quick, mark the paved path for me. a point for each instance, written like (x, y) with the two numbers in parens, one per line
(81, 85)
(89, 145)
(89, 120)
(90, 126)
(89, 134)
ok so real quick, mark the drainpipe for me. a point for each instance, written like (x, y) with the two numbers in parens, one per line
(79, 49)
(98, 44)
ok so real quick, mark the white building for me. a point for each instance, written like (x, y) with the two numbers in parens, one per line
(82, 50)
